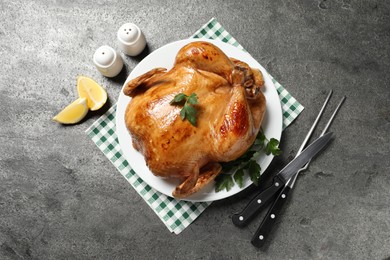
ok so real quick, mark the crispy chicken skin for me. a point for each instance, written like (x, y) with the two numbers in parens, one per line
(230, 112)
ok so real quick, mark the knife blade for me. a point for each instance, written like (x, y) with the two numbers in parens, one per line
(290, 169)
(259, 201)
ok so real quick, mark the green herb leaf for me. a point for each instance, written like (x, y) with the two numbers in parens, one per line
(188, 111)
(223, 182)
(272, 147)
(191, 119)
(183, 113)
(178, 98)
(239, 177)
(260, 138)
(192, 99)
(254, 172)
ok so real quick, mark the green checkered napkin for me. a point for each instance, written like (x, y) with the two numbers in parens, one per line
(176, 215)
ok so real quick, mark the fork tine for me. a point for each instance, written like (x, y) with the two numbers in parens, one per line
(314, 124)
(333, 115)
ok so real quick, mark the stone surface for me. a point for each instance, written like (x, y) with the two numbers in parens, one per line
(61, 198)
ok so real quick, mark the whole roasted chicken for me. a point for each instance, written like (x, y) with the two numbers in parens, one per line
(230, 110)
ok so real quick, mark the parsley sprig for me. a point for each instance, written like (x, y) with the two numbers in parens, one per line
(188, 111)
(247, 163)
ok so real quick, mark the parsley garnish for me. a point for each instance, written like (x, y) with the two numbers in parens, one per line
(254, 171)
(239, 177)
(246, 164)
(188, 111)
(224, 181)
(272, 147)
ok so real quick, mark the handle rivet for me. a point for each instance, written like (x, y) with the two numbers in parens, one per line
(272, 215)
(259, 201)
(283, 196)
(276, 184)
(261, 237)
(241, 218)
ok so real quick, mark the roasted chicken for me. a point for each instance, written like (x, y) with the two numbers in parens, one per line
(229, 115)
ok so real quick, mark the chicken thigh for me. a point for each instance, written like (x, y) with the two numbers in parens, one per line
(229, 115)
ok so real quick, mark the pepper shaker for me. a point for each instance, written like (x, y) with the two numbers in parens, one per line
(131, 40)
(107, 61)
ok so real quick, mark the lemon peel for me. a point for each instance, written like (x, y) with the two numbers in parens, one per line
(95, 94)
(73, 113)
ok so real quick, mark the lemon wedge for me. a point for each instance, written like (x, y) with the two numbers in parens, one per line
(88, 88)
(73, 113)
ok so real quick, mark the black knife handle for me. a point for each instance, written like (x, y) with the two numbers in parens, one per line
(257, 203)
(268, 222)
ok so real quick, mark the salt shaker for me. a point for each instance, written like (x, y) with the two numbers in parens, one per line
(131, 40)
(107, 61)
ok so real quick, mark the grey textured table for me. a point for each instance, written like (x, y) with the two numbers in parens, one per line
(60, 198)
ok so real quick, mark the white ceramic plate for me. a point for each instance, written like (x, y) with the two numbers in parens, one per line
(164, 57)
